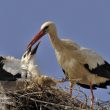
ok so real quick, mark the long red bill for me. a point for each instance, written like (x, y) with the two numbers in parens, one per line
(35, 39)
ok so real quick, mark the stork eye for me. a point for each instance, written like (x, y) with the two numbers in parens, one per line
(46, 27)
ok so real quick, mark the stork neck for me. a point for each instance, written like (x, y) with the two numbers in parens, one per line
(32, 61)
(56, 42)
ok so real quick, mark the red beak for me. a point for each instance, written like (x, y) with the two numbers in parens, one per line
(35, 39)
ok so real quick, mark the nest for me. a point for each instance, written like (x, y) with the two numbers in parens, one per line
(43, 94)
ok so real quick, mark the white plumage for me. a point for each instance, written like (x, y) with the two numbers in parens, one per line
(12, 64)
(90, 57)
(12, 68)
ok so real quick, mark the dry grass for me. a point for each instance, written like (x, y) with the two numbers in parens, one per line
(41, 95)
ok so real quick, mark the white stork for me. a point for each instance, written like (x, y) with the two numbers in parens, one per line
(12, 69)
(80, 63)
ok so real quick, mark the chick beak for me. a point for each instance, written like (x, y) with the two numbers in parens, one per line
(34, 50)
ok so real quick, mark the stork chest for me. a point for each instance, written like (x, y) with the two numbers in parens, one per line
(65, 59)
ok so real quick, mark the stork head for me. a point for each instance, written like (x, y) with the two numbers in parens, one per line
(29, 55)
(48, 27)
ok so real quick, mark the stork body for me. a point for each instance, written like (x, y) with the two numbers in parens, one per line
(85, 66)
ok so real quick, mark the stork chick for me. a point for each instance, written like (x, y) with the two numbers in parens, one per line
(28, 61)
(12, 68)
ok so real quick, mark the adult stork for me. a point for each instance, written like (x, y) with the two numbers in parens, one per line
(80, 63)
(12, 68)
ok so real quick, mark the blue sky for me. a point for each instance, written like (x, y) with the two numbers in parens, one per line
(85, 21)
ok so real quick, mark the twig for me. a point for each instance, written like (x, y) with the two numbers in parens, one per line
(31, 93)
(50, 103)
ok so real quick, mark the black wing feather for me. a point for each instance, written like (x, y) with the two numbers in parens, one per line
(6, 76)
(101, 70)
(66, 75)
(101, 85)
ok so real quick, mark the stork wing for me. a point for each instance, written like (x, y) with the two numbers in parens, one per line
(93, 62)
(11, 65)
